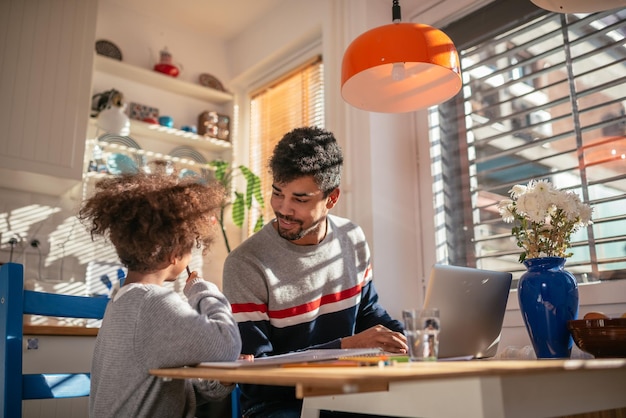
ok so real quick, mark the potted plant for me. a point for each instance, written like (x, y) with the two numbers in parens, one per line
(544, 219)
(243, 203)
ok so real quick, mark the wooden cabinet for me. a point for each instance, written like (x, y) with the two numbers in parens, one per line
(45, 81)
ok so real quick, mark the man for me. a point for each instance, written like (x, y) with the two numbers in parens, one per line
(305, 280)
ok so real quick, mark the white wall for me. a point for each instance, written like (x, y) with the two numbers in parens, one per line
(141, 38)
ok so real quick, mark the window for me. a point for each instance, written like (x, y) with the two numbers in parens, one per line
(543, 97)
(293, 100)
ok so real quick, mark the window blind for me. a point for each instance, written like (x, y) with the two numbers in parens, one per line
(544, 99)
(293, 100)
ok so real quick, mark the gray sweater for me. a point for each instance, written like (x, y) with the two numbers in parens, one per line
(150, 326)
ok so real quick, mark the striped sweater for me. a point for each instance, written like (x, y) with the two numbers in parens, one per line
(287, 297)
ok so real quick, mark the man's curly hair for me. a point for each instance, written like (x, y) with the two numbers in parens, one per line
(150, 217)
(308, 151)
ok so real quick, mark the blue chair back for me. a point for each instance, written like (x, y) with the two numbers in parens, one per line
(15, 302)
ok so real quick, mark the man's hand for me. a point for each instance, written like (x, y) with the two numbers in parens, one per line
(377, 336)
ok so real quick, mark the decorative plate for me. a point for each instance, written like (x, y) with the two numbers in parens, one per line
(189, 153)
(120, 140)
(127, 141)
(207, 80)
(121, 164)
(187, 173)
(108, 49)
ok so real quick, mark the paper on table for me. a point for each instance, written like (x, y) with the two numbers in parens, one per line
(296, 357)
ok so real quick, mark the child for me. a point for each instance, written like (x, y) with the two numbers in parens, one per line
(154, 221)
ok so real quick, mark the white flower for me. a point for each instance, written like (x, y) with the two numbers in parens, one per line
(584, 214)
(517, 191)
(506, 210)
(534, 206)
(544, 218)
(541, 186)
(570, 204)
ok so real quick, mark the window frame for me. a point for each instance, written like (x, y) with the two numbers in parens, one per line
(475, 29)
(244, 87)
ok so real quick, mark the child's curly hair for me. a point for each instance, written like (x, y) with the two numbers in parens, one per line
(150, 217)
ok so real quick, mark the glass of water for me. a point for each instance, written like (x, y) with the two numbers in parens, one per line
(421, 327)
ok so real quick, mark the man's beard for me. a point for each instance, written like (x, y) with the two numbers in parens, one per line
(299, 233)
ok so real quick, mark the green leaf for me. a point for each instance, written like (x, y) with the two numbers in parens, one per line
(221, 168)
(258, 194)
(242, 202)
(253, 187)
(238, 209)
(259, 224)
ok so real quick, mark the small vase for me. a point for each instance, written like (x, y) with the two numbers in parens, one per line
(548, 298)
(114, 121)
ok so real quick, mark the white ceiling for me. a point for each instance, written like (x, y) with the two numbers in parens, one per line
(218, 18)
(223, 19)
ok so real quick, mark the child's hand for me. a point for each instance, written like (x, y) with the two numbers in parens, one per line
(246, 357)
(191, 276)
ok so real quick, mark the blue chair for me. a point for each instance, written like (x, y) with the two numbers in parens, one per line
(15, 302)
(234, 402)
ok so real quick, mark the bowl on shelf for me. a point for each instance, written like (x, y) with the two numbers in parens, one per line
(600, 337)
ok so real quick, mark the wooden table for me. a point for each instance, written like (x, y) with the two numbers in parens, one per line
(487, 388)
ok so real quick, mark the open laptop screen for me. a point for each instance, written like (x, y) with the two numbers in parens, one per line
(471, 303)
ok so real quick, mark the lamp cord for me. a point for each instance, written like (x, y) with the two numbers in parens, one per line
(395, 12)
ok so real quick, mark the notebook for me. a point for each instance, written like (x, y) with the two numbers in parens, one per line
(471, 303)
(297, 357)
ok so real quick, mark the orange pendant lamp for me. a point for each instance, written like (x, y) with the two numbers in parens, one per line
(400, 67)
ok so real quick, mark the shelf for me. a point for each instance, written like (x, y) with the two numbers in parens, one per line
(158, 80)
(175, 136)
(140, 159)
(153, 130)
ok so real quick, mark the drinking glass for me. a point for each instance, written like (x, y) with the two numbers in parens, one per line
(421, 327)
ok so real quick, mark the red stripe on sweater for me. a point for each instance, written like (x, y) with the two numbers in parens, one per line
(366, 276)
(306, 307)
(315, 304)
(248, 307)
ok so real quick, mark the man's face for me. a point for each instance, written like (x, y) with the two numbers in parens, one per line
(301, 209)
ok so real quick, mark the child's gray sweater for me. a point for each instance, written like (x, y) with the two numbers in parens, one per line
(147, 327)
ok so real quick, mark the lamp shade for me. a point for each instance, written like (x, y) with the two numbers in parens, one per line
(429, 69)
(579, 6)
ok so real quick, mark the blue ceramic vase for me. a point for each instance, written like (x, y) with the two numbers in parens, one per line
(548, 298)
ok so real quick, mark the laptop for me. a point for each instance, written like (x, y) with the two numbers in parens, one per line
(471, 303)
